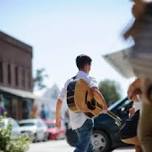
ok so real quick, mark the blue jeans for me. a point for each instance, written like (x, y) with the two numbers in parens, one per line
(84, 137)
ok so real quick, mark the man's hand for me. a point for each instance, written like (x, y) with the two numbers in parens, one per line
(134, 89)
(131, 112)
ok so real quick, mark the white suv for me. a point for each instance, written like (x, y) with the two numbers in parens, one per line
(35, 128)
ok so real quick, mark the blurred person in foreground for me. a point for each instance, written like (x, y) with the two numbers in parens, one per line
(78, 120)
(128, 131)
(141, 60)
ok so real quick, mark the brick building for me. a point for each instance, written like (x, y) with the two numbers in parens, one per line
(15, 77)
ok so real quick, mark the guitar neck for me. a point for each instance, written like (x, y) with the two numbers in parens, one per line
(115, 117)
(112, 115)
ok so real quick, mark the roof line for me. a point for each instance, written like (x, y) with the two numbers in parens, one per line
(13, 41)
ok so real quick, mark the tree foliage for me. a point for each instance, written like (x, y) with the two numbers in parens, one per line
(110, 90)
(39, 78)
(10, 144)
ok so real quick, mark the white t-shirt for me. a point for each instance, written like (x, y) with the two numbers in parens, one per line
(77, 119)
(137, 104)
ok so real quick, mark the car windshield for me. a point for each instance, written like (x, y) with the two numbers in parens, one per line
(51, 125)
(27, 124)
(118, 103)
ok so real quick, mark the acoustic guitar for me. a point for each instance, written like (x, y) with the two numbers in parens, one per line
(80, 99)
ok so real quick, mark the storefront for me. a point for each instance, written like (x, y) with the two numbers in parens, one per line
(16, 103)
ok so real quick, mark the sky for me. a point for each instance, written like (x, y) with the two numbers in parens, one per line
(59, 30)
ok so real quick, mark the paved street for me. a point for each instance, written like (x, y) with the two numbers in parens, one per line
(60, 146)
(51, 146)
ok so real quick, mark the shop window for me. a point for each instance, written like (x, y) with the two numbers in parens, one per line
(16, 76)
(1, 72)
(23, 78)
(9, 74)
(29, 80)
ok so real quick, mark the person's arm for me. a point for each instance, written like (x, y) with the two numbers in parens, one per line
(59, 103)
(58, 113)
(99, 97)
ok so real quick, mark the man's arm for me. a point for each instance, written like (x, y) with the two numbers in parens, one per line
(59, 103)
(99, 97)
(58, 113)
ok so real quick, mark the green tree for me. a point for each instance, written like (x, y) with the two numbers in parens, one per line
(110, 90)
(39, 78)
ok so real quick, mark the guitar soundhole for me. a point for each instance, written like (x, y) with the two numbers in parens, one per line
(91, 104)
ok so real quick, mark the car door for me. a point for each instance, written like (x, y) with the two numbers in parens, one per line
(123, 110)
(40, 130)
(45, 130)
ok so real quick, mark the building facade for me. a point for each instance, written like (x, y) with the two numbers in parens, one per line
(16, 84)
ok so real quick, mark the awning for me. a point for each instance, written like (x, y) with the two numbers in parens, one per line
(19, 93)
(119, 61)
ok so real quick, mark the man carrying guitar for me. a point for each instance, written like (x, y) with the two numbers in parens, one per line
(78, 120)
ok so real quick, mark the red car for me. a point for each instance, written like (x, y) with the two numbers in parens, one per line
(53, 131)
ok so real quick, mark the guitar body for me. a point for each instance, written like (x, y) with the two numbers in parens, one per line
(85, 101)
(80, 99)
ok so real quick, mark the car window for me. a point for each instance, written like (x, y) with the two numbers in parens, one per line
(120, 104)
(51, 125)
(126, 106)
(14, 124)
(125, 103)
(26, 124)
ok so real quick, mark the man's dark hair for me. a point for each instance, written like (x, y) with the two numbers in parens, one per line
(82, 60)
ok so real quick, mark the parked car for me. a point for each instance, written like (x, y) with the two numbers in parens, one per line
(35, 128)
(106, 131)
(53, 132)
(15, 126)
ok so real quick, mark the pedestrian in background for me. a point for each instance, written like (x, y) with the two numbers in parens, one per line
(79, 122)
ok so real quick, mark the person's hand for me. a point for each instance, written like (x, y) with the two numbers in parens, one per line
(134, 89)
(131, 112)
(58, 123)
